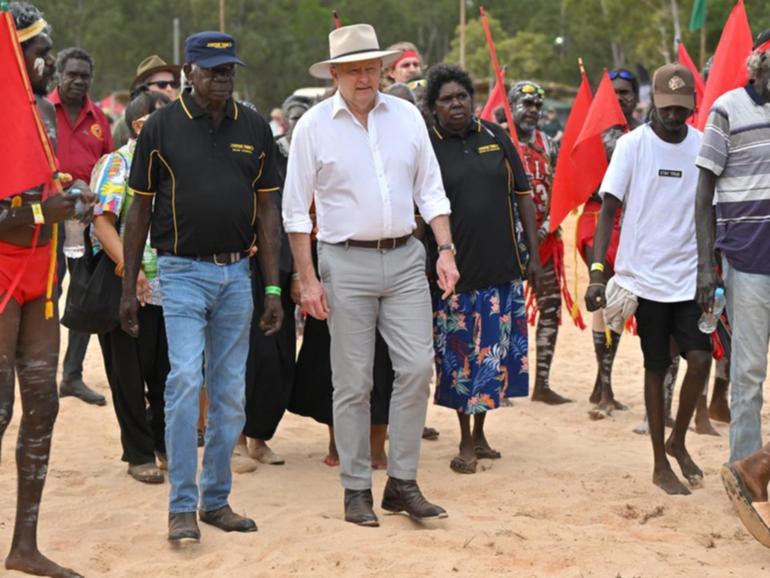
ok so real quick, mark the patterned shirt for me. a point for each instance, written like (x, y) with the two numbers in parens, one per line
(109, 181)
(736, 148)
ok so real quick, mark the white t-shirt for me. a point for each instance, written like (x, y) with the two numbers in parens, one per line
(656, 180)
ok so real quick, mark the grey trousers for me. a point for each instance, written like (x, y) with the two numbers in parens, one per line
(748, 308)
(369, 289)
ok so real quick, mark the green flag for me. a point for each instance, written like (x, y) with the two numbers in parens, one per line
(698, 16)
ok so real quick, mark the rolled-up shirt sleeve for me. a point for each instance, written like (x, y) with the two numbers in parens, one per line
(300, 182)
(429, 194)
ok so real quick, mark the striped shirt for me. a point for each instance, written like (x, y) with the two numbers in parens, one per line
(736, 148)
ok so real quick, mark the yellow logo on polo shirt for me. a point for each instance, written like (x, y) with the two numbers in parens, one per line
(241, 148)
(219, 45)
(489, 148)
(96, 130)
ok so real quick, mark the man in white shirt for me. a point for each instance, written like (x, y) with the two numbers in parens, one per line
(653, 175)
(367, 160)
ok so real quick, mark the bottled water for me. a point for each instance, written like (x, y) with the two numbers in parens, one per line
(74, 244)
(708, 321)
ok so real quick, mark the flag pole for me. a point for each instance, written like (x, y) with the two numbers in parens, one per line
(500, 80)
(337, 22)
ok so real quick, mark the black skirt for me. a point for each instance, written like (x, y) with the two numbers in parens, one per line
(311, 395)
(270, 365)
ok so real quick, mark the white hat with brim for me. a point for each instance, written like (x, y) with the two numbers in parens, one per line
(354, 43)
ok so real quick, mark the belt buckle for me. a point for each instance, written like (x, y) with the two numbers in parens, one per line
(392, 244)
(216, 261)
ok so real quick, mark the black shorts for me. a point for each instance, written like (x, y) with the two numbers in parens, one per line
(658, 322)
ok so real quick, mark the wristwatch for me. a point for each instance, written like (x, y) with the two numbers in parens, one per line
(448, 247)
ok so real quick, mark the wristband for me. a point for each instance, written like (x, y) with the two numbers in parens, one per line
(295, 276)
(597, 267)
(37, 213)
(273, 290)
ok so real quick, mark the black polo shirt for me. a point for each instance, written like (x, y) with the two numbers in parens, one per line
(480, 181)
(205, 181)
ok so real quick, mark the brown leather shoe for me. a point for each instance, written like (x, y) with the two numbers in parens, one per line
(405, 496)
(225, 519)
(183, 527)
(358, 508)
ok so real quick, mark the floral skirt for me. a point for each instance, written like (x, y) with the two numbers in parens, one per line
(480, 338)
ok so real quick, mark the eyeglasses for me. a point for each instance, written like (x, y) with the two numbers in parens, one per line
(164, 84)
(624, 74)
(532, 89)
(418, 83)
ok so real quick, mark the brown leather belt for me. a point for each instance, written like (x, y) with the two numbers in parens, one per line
(392, 243)
(217, 259)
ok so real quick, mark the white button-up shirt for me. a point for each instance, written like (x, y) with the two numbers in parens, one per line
(366, 182)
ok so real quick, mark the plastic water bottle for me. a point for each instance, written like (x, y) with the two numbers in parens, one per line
(708, 321)
(74, 244)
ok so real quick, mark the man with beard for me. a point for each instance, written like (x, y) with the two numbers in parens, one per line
(653, 174)
(526, 100)
(29, 342)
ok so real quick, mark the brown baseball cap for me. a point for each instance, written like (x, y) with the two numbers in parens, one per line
(150, 66)
(673, 85)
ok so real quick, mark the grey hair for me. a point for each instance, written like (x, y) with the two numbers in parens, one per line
(756, 63)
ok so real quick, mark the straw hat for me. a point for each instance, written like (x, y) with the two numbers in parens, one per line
(353, 43)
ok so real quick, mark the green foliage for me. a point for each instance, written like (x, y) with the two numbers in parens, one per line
(279, 39)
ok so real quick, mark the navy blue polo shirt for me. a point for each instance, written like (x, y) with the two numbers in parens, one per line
(205, 180)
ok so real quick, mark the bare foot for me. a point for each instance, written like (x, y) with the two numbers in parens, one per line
(703, 427)
(483, 451)
(690, 471)
(380, 462)
(643, 428)
(719, 410)
(666, 480)
(549, 396)
(430, 433)
(619, 406)
(332, 460)
(37, 564)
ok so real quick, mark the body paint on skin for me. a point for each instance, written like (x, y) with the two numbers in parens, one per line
(39, 66)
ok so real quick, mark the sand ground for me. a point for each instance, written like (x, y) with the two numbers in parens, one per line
(571, 497)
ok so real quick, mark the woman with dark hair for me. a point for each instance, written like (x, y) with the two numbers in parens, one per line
(136, 368)
(480, 333)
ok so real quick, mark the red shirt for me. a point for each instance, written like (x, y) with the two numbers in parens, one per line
(82, 144)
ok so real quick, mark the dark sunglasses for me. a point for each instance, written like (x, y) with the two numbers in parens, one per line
(624, 74)
(164, 84)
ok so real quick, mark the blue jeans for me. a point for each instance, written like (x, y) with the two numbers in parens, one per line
(208, 308)
(748, 307)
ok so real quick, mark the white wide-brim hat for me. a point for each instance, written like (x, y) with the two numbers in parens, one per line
(353, 43)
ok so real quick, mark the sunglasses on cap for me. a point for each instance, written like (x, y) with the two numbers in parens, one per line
(624, 74)
(418, 83)
(163, 84)
(532, 89)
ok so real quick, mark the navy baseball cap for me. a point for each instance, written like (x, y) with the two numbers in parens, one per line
(210, 49)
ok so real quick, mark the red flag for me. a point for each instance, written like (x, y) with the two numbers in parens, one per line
(24, 162)
(684, 59)
(588, 153)
(495, 100)
(563, 193)
(728, 70)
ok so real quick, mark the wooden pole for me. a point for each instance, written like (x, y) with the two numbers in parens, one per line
(221, 15)
(462, 34)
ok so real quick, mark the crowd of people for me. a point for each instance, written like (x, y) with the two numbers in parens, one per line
(413, 238)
